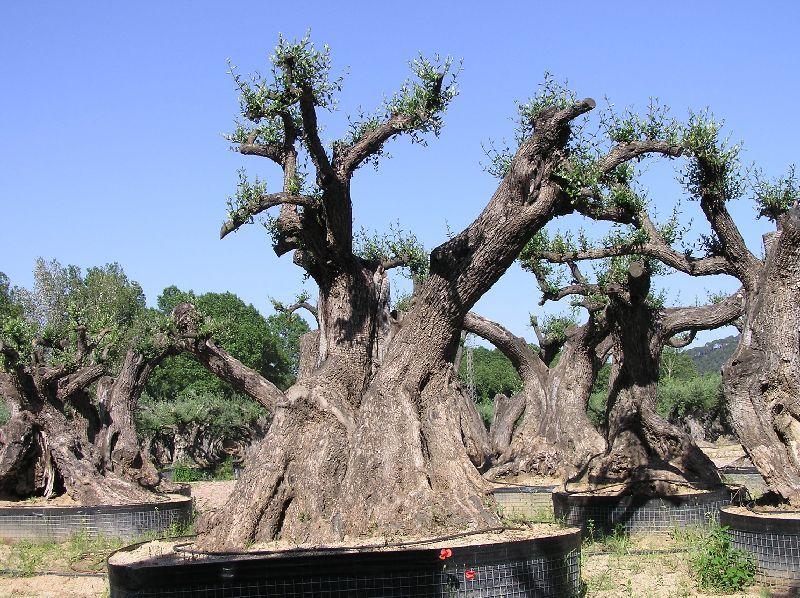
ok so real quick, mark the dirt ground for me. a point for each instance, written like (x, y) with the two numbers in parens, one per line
(210, 496)
(617, 569)
(723, 452)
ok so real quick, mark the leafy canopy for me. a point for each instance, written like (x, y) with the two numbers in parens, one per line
(104, 302)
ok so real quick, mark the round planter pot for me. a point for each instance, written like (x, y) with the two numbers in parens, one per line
(774, 541)
(541, 567)
(114, 521)
(532, 502)
(639, 513)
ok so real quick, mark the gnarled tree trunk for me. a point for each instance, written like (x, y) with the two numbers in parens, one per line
(644, 450)
(117, 440)
(554, 436)
(761, 381)
(60, 439)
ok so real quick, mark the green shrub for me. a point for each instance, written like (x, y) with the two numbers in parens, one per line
(185, 472)
(486, 410)
(718, 566)
(224, 472)
(219, 415)
(596, 410)
(695, 396)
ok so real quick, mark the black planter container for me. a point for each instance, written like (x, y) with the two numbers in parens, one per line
(640, 513)
(524, 501)
(775, 544)
(541, 567)
(123, 521)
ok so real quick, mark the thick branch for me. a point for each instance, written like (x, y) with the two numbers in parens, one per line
(308, 113)
(273, 151)
(371, 143)
(514, 347)
(221, 363)
(78, 380)
(625, 152)
(706, 317)
(241, 377)
(679, 342)
(742, 261)
(665, 254)
(265, 202)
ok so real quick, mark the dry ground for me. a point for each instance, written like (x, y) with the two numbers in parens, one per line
(641, 566)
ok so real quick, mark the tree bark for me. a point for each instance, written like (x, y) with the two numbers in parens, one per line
(761, 380)
(645, 451)
(554, 436)
(60, 440)
(118, 441)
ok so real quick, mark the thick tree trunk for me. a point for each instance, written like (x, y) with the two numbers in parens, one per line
(50, 443)
(644, 449)
(378, 427)
(761, 380)
(117, 440)
(554, 436)
(80, 465)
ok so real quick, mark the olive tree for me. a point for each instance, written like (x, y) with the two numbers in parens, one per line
(760, 381)
(75, 352)
(382, 438)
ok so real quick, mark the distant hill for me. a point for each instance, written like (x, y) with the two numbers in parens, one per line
(711, 356)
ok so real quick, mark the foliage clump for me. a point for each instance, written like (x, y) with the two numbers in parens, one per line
(720, 567)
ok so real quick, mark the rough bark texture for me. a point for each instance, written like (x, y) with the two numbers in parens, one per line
(762, 379)
(644, 450)
(61, 440)
(117, 440)
(554, 436)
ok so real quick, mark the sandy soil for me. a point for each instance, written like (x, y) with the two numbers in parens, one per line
(654, 575)
(66, 501)
(57, 501)
(54, 586)
(767, 512)
(527, 480)
(618, 490)
(210, 496)
(723, 452)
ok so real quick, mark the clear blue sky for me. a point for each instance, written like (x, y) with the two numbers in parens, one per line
(111, 114)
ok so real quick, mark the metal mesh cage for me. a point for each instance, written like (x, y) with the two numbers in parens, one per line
(525, 501)
(775, 544)
(605, 514)
(125, 522)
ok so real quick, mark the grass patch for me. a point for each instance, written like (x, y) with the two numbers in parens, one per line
(618, 542)
(543, 515)
(80, 553)
(656, 565)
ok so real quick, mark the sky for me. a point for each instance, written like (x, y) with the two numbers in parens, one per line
(112, 115)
